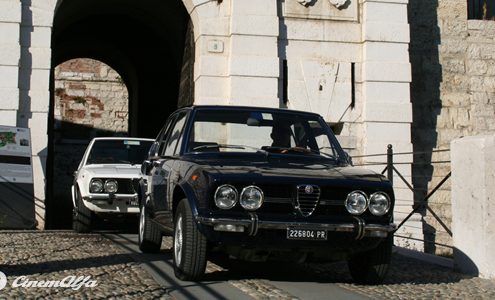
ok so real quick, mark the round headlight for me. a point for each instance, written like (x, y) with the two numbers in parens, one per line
(96, 186)
(225, 196)
(379, 204)
(111, 186)
(356, 202)
(251, 197)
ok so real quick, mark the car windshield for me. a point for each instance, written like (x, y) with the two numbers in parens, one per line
(258, 130)
(118, 152)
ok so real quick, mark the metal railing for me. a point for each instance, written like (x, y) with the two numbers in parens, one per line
(421, 204)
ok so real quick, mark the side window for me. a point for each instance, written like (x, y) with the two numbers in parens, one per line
(162, 137)
(175, 134)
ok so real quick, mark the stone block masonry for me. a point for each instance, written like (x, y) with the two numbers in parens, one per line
(452, 91)
(473, 206)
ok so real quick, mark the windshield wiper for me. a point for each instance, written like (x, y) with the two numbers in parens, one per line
(209, 146)
(299, 150)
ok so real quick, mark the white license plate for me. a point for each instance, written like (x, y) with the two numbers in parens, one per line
(306, 234)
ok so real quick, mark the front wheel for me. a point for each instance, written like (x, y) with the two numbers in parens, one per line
(371, 267)
(149, 237)
(82, 216)
(189, 245)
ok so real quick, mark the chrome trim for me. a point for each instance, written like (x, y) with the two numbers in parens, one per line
(254, 224)
(108, 197)
(278, 200)
(362, 228)
(339, 202)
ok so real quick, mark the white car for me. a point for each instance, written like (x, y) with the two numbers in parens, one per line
(103, 182)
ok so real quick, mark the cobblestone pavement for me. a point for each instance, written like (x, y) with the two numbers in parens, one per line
(54, 255)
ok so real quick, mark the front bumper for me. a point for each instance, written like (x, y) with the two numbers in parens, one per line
(112, 203)
(252, 225)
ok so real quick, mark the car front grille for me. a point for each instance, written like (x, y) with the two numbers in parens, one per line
(307, 197)
(125, 186)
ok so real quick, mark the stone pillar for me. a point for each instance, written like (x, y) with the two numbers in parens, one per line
(387, 114)
(210, 21)
(473, 205)
(10, 16)
(253, 61)
(34, 82)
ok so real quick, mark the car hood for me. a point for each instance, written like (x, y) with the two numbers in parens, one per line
(112, 170)
(277, 168)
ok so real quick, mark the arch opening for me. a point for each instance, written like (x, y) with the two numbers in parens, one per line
(143, 42)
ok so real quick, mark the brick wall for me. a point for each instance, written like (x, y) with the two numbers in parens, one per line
(453, 95)
(91, 96)
(90, 100)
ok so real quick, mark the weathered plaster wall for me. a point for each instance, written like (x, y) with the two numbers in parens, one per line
(453, 95)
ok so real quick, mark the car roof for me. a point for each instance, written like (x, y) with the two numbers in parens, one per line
(235, 107)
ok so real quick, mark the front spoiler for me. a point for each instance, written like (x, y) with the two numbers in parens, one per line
(360, 228)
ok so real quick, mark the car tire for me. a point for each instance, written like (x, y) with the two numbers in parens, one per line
(371, 267)
(149, 236)
(82, 216)
(189, 255)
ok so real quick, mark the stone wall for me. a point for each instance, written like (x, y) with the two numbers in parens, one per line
(453, 95)
(89, 95)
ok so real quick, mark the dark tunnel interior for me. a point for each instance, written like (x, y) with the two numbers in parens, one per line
(144, 42)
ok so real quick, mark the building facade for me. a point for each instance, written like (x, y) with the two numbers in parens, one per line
(345, 59)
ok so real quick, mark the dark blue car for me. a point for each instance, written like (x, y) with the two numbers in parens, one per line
(259, 184)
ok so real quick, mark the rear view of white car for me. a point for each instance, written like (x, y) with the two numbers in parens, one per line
(103, 182)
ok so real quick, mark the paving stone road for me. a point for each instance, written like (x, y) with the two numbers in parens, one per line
(54, 255)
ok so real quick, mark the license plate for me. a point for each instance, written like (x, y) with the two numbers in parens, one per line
(306, 234)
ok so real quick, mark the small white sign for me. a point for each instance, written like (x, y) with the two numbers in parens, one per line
(215, 46)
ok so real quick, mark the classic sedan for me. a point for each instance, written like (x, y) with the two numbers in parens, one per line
(103, 182)
(259, 184)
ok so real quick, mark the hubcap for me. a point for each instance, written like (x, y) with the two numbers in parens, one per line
(141, 224)
(178, 240)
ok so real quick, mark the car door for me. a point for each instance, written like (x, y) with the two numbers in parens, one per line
(162, 174)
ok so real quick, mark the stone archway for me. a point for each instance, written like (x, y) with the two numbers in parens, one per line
(144, 42)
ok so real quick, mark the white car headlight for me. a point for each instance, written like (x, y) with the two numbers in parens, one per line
(356, 202)
(379, 204)
(226, 196)
(111, 186)
(96, 186)
(251, 198)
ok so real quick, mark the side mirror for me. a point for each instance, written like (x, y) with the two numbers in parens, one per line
(146, 167)
(348, 158)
